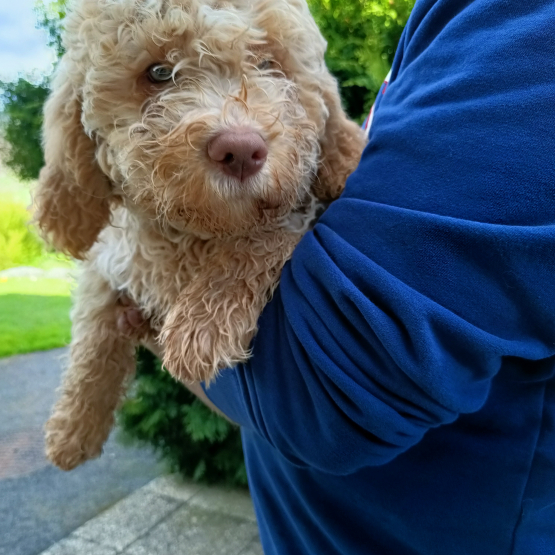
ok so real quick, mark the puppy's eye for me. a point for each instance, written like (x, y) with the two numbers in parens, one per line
(159, 73)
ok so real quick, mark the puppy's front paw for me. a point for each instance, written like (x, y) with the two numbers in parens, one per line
(189, 354)
(70, 442)
(196, 348)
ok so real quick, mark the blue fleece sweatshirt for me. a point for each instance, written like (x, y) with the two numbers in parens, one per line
(401, 395)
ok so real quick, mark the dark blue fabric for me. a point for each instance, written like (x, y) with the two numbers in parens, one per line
(401, 395)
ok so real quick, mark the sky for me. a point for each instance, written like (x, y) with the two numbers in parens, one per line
(23, 49)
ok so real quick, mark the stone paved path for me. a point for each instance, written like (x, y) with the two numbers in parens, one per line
(169, 517)
(39, 504)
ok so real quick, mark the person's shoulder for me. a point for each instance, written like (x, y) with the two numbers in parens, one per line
(466, 104)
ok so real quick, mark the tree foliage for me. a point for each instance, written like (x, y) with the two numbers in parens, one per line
(21, 126)
(362, 38)
(50, 17)
(22, 102)
(19, 244)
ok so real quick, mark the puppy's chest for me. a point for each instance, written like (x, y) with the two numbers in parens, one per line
(149, 268)
(152, 269)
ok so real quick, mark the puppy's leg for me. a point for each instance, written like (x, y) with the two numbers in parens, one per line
(215, 317)
(102, 359)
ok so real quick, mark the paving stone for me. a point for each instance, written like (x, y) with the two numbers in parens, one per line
(22, 452)
(127, 520)
(255, 548)
(78, 546)
(231, 502)
(173, 486)
(195, 531)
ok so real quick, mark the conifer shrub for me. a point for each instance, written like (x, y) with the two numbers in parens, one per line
(191, 438)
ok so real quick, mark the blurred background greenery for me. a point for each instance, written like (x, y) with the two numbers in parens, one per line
(362, 38)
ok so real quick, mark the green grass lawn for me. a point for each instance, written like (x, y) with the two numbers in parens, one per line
(34, 315)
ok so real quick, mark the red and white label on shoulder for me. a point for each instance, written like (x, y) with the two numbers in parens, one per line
(368, 121)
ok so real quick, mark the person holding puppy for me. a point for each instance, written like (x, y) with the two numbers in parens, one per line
(400, 398)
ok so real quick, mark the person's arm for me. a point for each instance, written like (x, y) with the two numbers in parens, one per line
(434, 270)
(196, 389)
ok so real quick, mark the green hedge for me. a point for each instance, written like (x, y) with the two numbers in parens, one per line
(189, 437)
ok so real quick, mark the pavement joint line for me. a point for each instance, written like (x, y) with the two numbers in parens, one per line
(248, 546)
(203, 489)
(191, 503)
(149, 529)
(171, 498)
(78, 532)
(223, 513)
(147, 532)
(87, 540)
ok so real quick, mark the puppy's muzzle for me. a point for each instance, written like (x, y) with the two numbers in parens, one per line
(239, 152)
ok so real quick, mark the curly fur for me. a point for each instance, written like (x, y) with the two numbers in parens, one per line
(129, 189)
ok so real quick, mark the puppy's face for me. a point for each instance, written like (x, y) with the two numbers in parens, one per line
(198, 108)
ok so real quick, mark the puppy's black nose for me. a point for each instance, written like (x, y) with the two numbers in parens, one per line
(239, 152)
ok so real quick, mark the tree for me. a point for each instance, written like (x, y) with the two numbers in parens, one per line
(362, 39)
(21, 125)
(50, 17)
(22, 103)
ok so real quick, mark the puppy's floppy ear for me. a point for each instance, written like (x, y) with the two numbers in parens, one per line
(341, 146)
(299, 47)
(72, 197)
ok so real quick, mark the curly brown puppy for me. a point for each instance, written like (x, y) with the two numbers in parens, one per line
(188, 146)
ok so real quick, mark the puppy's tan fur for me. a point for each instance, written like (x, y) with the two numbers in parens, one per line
(129, 189)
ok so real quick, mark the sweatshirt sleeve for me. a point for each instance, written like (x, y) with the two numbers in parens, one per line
(434, 271)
